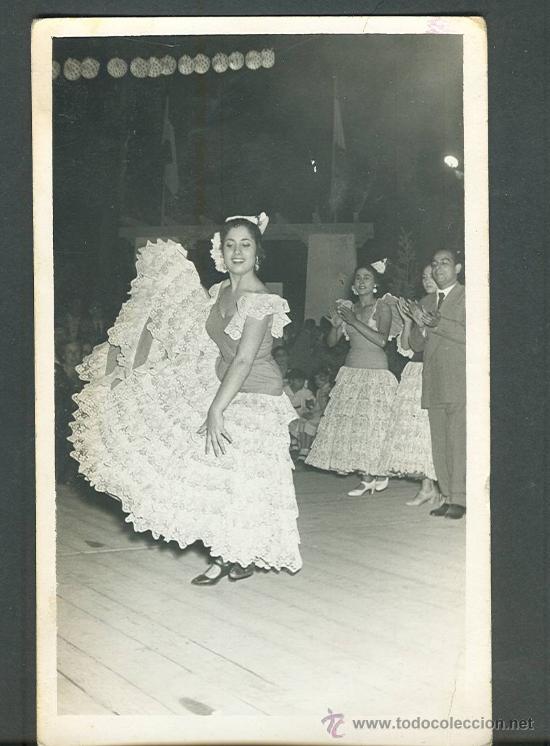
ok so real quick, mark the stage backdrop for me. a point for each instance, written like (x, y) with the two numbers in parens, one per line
(331, 260)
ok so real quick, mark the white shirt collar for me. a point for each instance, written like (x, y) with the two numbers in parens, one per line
(446, 291)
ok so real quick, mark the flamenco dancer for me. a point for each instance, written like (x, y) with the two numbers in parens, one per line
(352, 431)
(183, 418)
(408, 450)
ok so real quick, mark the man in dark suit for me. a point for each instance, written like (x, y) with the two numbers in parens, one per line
(439, 332)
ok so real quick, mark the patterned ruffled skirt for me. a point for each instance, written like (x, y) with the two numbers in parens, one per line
(353, 429)
(408, 450)
(138, 442)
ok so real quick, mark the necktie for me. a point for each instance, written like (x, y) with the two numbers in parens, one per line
(440, 299)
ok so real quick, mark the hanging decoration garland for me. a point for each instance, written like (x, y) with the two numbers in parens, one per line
(169, 65)
(253, 60)
(89, 68)
(268, 58)
(186, 65)
(202, 64)
(236, 60)
(71, 69)
(154, 67)
(139, 67)
(117, 68)
(220, 63)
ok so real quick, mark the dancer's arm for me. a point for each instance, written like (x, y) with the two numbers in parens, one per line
(380, 337)
(336, 330)
(417, 338)
(334, 335)
(216, 434)
(403, 339)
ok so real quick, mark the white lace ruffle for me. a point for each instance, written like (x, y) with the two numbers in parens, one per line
(396, 326)
(259, 305)
(408, 449)
(352, 431)
(138, 441)
(388, 299)
(93, 365)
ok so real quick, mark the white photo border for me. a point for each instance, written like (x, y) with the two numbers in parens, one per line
(473, 694)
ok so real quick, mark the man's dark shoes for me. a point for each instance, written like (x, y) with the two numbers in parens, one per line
(455, 511)
(442, 510)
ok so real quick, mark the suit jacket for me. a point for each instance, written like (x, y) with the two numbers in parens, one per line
(444, 347)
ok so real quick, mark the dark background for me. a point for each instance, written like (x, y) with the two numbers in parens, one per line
(519, 334)
(246, 140)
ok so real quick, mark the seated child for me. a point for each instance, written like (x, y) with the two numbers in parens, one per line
(302, 400)
(310, 421)
(304, 429)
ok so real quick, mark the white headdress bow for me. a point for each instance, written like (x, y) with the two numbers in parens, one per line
(260, 220)
(216, 253)
(380, 266)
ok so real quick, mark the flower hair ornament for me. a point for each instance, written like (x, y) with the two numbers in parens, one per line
(216, 252)
(379, 266)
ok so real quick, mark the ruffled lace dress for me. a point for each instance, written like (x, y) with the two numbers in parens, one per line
(408, 449)
(148, 391)
(353, 429)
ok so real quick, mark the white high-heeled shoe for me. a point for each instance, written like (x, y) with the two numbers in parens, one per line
(363, 488)
(381, 484)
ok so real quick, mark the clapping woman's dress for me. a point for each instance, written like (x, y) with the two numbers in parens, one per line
(352, 431)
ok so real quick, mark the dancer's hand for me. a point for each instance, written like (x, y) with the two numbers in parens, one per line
(403, 310)
(416, 313)
(431, 319)
(347, 315)
(334, 319)
(216, 433)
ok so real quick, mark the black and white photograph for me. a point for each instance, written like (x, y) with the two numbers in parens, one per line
(263, 351)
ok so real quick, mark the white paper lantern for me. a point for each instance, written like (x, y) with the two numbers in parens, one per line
(186, 65)
(155, 67)
(56, 69)
(89, 68)
(117, 68)
(236, 60)
(220, 63)
(139, 67)
(268, 58)
(253, 60)
(71, 69)
(202, 64)
(168, 65)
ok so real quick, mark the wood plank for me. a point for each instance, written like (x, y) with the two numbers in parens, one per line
(361, 622)
(211, 666)
(295, 634)
(154, 674)
(76, 700)
(107, 687)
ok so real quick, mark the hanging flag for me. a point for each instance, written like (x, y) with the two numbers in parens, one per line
(339, 181)
(170, 179)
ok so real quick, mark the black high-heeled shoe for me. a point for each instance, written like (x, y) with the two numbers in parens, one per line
(204, 579)
(236, 572)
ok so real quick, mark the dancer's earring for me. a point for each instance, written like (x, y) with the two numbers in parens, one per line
(257, 264)
(353, 290)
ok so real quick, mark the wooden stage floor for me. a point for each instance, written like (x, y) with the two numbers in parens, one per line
(373, 622)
